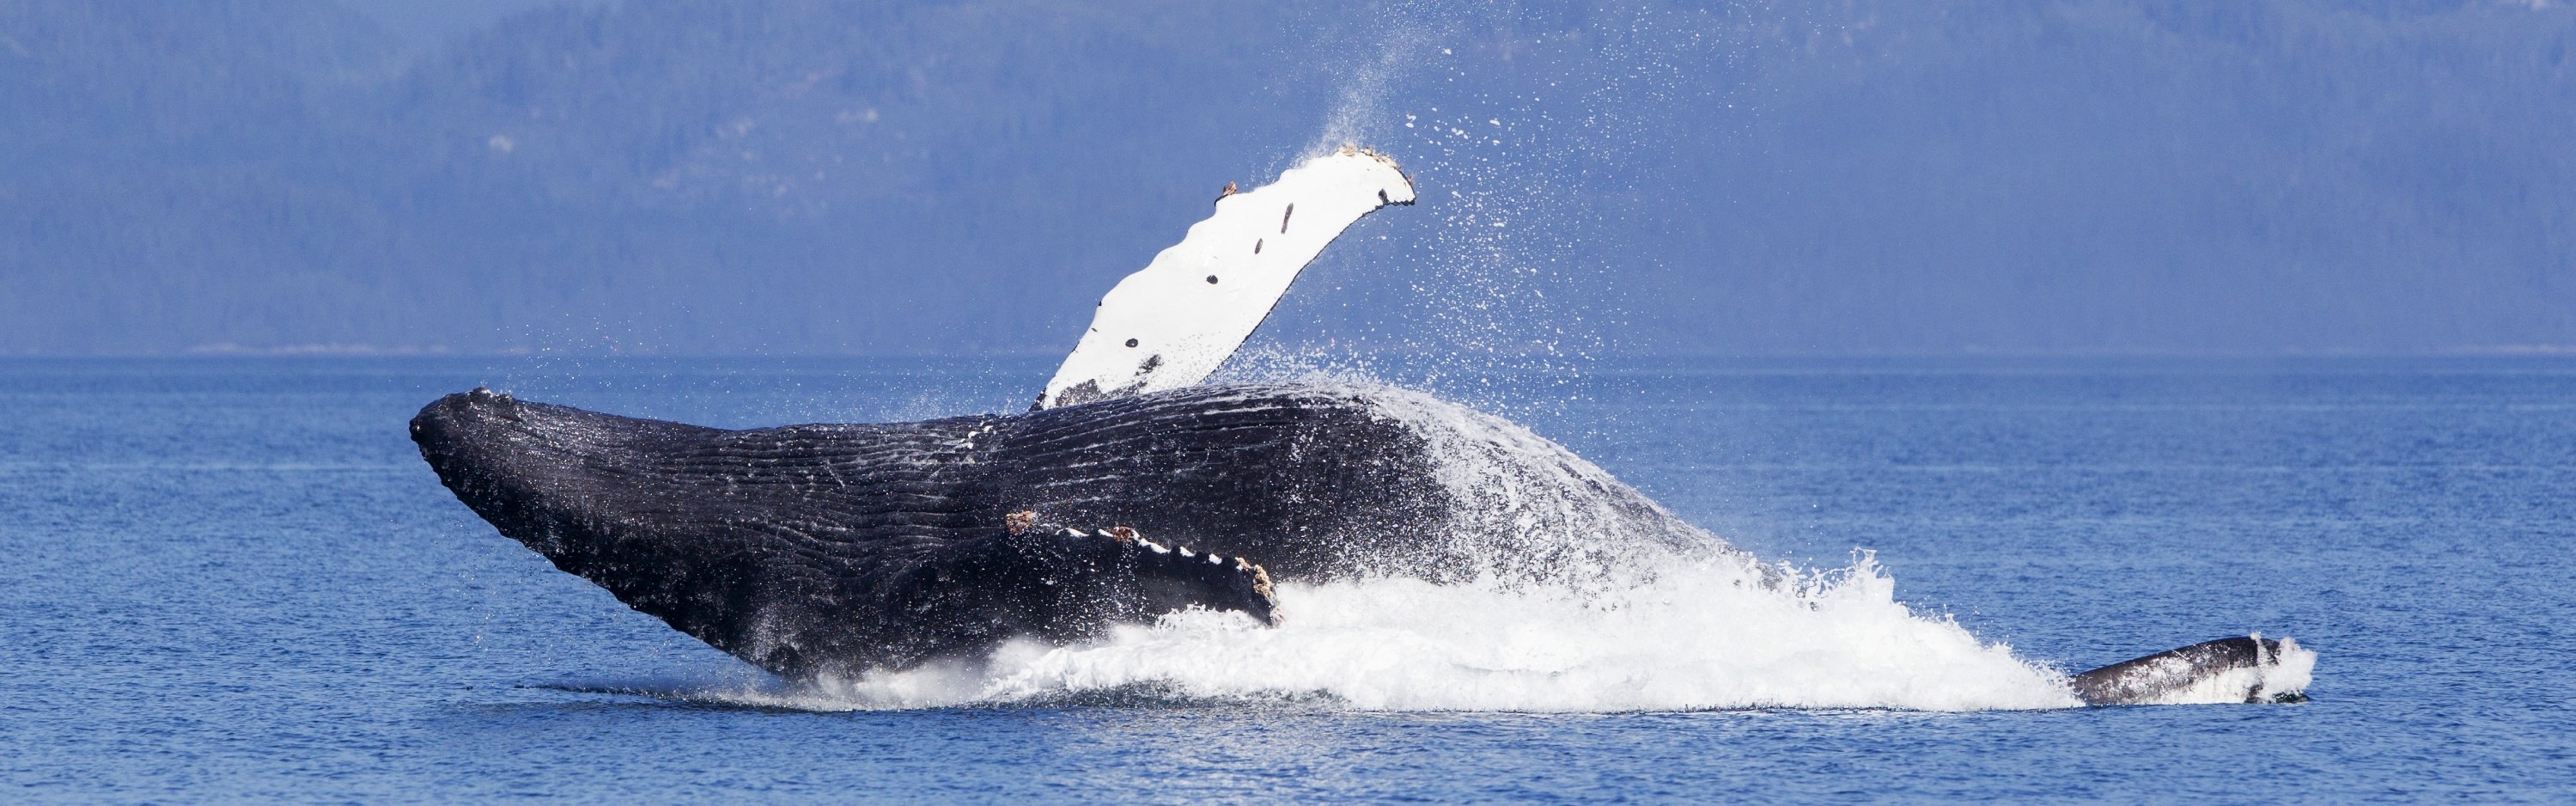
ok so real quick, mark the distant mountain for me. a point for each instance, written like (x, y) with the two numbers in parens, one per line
(689, 177)
(968, 176)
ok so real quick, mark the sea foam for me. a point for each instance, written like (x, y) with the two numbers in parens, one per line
(1690, 638)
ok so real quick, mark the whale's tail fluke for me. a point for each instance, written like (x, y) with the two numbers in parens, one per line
(2249, 669)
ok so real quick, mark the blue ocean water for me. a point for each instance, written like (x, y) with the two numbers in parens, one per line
(229, 579)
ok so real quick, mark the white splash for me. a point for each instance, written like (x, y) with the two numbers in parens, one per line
(1591, 599)
(1694, 638)
(2285, 672)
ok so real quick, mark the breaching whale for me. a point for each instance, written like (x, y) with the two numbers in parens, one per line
(1130, 490)
(836, 548)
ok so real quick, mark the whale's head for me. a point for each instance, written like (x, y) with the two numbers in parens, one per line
(539, 471)
(485, 450)
(815, 548)
(462, 427)
(477, 442)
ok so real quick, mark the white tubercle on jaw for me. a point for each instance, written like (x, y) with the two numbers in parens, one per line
(1173, 323)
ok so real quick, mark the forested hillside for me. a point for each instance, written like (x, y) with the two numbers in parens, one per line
(962, 177)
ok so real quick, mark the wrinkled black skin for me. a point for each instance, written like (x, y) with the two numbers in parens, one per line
(818, 549)
(835, 548)
(2143, 679)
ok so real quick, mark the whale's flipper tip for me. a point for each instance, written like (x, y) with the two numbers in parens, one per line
(2246, 669)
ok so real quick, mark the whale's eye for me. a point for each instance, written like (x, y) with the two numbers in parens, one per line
(1131, 342)
(1211, 279)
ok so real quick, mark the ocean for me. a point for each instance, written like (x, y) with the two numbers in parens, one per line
(234, 579)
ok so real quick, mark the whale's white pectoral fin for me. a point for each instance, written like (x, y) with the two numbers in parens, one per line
(1173, 323)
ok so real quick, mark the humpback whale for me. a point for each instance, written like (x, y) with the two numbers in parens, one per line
(836, 548)
(1130, 490)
